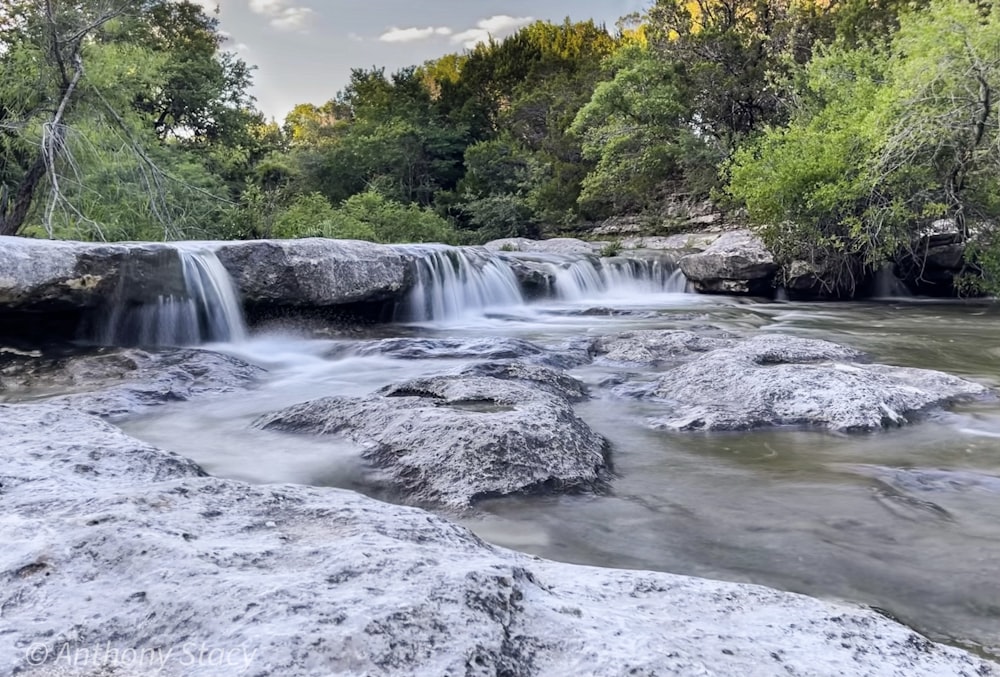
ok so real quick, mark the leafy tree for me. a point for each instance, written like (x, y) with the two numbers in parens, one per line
(885, 140)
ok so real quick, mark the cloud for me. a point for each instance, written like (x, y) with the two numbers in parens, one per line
(498, 26)
(413, 34)
(282, 15)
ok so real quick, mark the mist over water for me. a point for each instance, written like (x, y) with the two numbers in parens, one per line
(906, 520)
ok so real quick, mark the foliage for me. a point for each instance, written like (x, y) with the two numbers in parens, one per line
(886, 139)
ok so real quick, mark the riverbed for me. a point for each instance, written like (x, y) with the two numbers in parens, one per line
(906, 520)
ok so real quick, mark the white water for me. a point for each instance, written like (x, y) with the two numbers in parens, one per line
(453, 284)
(463, 284)
(208, 311)
(589, 278)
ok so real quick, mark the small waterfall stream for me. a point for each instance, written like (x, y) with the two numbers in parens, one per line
(462, 283)
(590, 278)
(455, 283)
(195, 303)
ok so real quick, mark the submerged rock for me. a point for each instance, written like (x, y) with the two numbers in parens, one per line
(785, 380)
(736, 263)
(552, 380)
(452, 440)
(447, 348)
(115, 382)
(154, 569)
(315, 272)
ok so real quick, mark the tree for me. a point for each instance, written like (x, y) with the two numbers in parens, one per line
(886, 139)
(73, 79)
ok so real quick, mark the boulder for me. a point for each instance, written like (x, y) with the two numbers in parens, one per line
(652, 346)
(57, 275)
(785, 380)
(736, 263)
(121, 559)
(117, 382)
(315, 272)
(452, 440)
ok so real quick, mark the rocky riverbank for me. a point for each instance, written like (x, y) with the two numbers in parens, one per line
(123, 559)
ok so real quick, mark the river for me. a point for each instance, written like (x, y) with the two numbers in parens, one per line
(906, 520)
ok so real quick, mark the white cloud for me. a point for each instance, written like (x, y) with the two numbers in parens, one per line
(413, 34)
(498, 26)
(282, 15)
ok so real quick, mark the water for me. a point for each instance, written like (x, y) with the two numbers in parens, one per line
(454, 284)
(590, 278)
(907, 520)
(197, 304)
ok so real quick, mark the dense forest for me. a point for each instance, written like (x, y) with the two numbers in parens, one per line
(841, 128)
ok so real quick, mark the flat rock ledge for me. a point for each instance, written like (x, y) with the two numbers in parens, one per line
(120, 559)
(776, 380)
(454, 439)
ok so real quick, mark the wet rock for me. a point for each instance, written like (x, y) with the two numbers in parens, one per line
(736, 263)
(785, 380)
(315, 272)
(447, 348)
(535, 277)
(117, 382)
(556, 245)
(931, 480)
(552, 380)
(451, 440)
(140, 554)
(655, 346)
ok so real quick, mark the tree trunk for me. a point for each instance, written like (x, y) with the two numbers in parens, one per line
(12, 217)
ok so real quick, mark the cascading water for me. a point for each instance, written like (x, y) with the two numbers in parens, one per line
(591, 278)
(460, 283)
(186, 300)
(888, 286)
(453, 284)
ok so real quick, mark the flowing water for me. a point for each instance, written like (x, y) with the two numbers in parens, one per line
(906, 520)
(201, 305)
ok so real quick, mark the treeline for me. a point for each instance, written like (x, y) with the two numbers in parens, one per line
(842, 127)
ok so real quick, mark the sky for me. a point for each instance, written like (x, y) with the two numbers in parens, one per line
(304, 49)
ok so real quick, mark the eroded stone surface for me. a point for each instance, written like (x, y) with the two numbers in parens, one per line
(315, 272)
(451, 440)
(110, 544)
(115, 382)
(785, 380)
(736, 263)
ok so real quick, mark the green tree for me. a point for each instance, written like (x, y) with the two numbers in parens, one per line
(885, 141)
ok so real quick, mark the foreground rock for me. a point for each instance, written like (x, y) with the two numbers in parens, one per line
(315, 272)
(736, 263)
(121, 559)
(452, 440)
(115, 382)
(785, 380)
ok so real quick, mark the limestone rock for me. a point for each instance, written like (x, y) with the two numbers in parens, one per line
(451, 440)
(736, 263)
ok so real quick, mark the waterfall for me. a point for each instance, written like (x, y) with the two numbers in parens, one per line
(591, 278)
(453, 284)
(462, 283)
(179, 296)
(887, 285)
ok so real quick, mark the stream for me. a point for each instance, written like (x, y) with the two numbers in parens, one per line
(907, 520)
